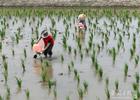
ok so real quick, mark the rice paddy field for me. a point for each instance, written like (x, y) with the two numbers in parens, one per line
(101, 63)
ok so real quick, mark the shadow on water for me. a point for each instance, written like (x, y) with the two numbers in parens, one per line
(81, 36)
(43, 66)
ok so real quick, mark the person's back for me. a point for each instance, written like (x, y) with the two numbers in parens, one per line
(49, 39)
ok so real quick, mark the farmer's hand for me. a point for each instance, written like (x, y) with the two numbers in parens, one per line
(43, 50)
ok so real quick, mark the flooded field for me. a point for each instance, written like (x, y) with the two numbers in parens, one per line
(101, 63)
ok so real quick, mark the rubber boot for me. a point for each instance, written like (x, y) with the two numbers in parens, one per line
(35, 56)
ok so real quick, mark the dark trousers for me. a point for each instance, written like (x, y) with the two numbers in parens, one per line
(48, 50)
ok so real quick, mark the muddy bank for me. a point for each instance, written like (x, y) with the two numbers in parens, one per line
(94, 3)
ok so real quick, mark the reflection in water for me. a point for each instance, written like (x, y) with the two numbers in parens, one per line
(81, 35)
(43, 66)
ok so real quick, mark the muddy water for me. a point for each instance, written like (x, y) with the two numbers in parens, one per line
(66, 85)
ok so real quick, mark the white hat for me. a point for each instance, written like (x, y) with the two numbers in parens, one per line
(44, 34)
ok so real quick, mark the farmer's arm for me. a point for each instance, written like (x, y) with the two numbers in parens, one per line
(46, 46)
(39, 39)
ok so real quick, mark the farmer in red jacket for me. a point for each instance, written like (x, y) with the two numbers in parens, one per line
(48, 42)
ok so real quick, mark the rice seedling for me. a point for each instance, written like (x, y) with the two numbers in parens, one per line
(137, 77)
(1, 98)
(54, 35)
(81, 56)
(46, 64)
(100, 71)
(106, 39)
(85, 84)
(81, 93)
(2, 34)
(107, 94)
(36, 31)
(8, 93)
(69, 68)
(114, 55)
(41, 60)
(62, 58)
(90, 44)
(120, 38)
(135, 86)
(27, 92)
(19, 82)
(0, 46)
(102, 42)
(80, 47)
(53, 22)
(87, 50)
(44, 75)
(91, 38)
(125, 70)
(51, 83)
(134, 46)
(136, 60)
(96, 66)
(23, 65)
(118, 46)
(134, 38)
(3, 58)
(13, 52)
(32, 42)
(64, 42)
(75, 52)
(25, 53)
(93, 59)
(54, 84)
(72, 64)
(116, 86)
(5, 65)
(115, 35)
(107, 82)
(75, 73)
(128, 36)
(131, 53)
(5, 74)
(134, 96)
(138, 95)
(55, 93)
(69, 49)
(17, 38)
(98, 48)
(78, 79)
